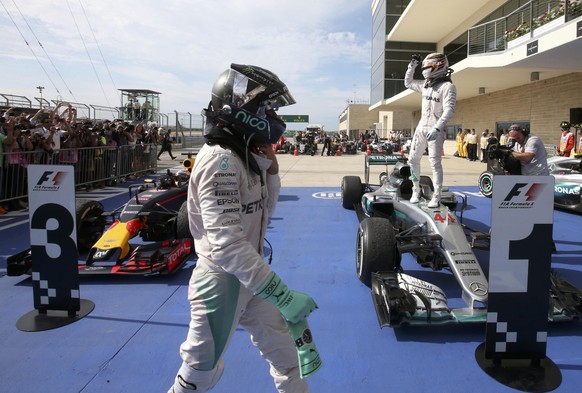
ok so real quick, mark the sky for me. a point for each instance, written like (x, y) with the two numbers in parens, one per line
(84, 51)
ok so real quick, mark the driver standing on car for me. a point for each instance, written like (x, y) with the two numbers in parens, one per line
(233, 189)
(439, 97)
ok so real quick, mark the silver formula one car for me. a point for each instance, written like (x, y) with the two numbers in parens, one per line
(567, 172)
(390, 225)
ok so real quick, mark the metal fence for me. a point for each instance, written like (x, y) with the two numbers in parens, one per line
(551, 150)
(494, 35)
(95, 167)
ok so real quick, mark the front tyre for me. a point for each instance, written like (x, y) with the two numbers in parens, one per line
(351, 191)
(182, 223)
(90, 223)
(376, 249)
(486, 184)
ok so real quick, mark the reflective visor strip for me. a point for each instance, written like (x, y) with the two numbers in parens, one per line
(246, 89)
(243, 88)
(431, 64)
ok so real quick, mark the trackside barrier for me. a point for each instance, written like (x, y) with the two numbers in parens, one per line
(93, 166)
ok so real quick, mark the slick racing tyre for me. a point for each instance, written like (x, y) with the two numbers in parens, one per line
(182, 224)
(90, 223)
(376, 249)
(351, 191)
(486, 184)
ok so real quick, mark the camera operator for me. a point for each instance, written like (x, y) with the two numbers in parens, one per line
(530, 151)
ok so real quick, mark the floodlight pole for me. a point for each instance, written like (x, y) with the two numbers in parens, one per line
(40, 89)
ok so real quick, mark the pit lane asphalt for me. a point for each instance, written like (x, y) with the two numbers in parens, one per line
(328, 171)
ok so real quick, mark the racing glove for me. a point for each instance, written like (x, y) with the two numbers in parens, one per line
(414, 62)
(294, 306)
(433, 134)
(309, 360)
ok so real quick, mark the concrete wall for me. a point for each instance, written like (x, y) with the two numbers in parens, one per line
(359, 118)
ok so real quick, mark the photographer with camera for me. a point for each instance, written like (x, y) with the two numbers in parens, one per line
(530, 151)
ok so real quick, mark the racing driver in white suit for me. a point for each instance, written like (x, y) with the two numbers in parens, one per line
(232, 192)
(439, 97)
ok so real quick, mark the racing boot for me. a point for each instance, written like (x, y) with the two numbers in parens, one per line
(416, 191)
(434, 201)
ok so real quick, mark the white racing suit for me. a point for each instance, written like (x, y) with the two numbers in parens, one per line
(229, 208)
(438, 105)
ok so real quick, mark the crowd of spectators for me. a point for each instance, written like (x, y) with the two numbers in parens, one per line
(99, 150)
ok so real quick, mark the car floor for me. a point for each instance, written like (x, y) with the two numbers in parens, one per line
(130, 341)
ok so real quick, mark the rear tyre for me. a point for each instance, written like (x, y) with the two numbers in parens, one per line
(351, 191)
(486, 184)
(90, 223)
(376, 249)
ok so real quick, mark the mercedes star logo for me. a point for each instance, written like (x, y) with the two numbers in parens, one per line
(479, 288)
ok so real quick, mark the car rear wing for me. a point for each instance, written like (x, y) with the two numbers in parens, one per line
(381, 159)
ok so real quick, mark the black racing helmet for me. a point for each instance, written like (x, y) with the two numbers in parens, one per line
(246, 98)
(565, 125)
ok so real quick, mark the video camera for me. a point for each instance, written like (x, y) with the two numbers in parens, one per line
(500, 157)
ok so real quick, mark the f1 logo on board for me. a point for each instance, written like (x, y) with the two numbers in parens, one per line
(50, 181)
(522, 195)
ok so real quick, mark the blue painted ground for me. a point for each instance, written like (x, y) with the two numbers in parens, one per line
(129, 343)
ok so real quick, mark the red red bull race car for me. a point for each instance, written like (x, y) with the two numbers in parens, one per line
(155, 214)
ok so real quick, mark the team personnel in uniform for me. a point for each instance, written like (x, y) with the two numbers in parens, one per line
(566, 140)
(439, 97)
(233, 189)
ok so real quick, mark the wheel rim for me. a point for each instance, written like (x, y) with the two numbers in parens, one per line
(359, 254)
(486, 185)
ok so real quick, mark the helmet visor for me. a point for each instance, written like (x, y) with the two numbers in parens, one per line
(250, 94)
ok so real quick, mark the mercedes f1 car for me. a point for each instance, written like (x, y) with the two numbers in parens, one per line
(567, 172)
(155, 212)
(436, 237)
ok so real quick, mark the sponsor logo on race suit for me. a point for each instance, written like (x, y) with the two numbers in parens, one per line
(253, 207)
(225, 201)
(226, 193)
